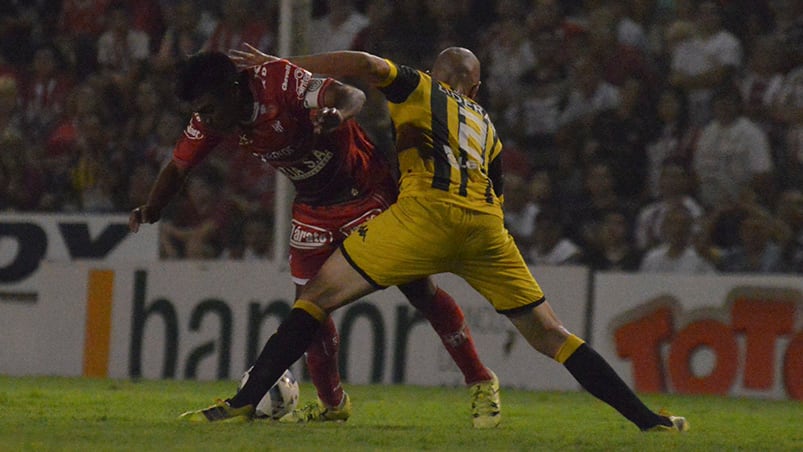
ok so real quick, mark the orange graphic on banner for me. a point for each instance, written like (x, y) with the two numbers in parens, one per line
(765, 324)
(97, 339)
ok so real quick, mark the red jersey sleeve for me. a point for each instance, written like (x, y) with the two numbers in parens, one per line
(195, 144)
(297, 88)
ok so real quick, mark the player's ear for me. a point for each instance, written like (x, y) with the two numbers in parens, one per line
(474, 90)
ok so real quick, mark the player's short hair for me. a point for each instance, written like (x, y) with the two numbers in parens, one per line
(203, 73)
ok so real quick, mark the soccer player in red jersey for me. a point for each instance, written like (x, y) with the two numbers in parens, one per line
(303, 126)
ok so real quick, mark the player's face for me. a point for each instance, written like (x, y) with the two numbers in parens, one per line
(217, 112)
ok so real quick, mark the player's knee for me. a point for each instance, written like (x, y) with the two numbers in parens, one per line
(420, 293)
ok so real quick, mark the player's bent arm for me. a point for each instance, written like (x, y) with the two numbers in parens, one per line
(170, 180)
(345, 98)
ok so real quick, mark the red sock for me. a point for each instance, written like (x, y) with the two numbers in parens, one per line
(322, 364)
(448, 321)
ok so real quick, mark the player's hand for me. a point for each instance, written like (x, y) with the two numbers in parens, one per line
(140, 215)
(250, 57)
(326, 119)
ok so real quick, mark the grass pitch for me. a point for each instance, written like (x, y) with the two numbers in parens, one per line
(68, 414)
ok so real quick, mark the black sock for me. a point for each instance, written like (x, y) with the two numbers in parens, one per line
(597, 377)
(285, 347)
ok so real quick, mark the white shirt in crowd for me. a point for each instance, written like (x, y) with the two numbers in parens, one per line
(689, 262)
(651, 217)
(565, 252)
(791, 95)
(699, 55)
(323, 37)
(727, 157)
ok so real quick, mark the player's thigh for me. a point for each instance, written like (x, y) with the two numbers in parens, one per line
(398, 246)
(496, 269)
(336, 284)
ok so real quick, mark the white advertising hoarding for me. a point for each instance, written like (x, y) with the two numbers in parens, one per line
(28, 239)
(208, 321)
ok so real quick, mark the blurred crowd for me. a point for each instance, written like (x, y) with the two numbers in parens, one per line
(640, 135)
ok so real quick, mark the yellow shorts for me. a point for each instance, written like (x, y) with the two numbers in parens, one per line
(416, 238)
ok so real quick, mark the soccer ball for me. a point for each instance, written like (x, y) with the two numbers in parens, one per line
(281, 399)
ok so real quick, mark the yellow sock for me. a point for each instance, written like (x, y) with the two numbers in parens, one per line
(566, 349)
(311, 308)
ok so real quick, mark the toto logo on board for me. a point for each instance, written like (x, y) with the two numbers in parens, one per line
(743, 341)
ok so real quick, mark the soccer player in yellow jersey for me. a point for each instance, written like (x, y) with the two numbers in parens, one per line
(448, 218)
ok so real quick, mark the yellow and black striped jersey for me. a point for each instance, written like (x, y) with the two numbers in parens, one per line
(448, 147)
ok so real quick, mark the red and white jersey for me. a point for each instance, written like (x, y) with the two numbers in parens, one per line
(323, 168)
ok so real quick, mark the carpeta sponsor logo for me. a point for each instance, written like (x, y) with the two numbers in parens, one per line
(307, 236)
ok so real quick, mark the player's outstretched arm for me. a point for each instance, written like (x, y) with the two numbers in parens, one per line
(362, 65)
(166, 186)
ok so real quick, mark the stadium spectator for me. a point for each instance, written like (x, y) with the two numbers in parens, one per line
(600, 196)
(613, 248)
(675, 139)
(549, 16)
(675, 189)
(550, 244)
(80, 24)
(140, 130)
(675, 251)
(252, 240)
(756, 250)
(761, 81)
(788, 112)
(622, 134)
(21, 181)
(142, 176)
(168, 131)
(147, 16)
(790, 212)
(457, 23)
(182, 37)
(618, 61)
(93, 177)
(123, 51)
(387, 21)
(44, 93)
(520, 210)
(559, 33)
(705, 62)
(732, 158)
(531, 116)
(589, 95)
(507, 49)
(338, 28)
(240, 22)
(10, 114)
(198, 227)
